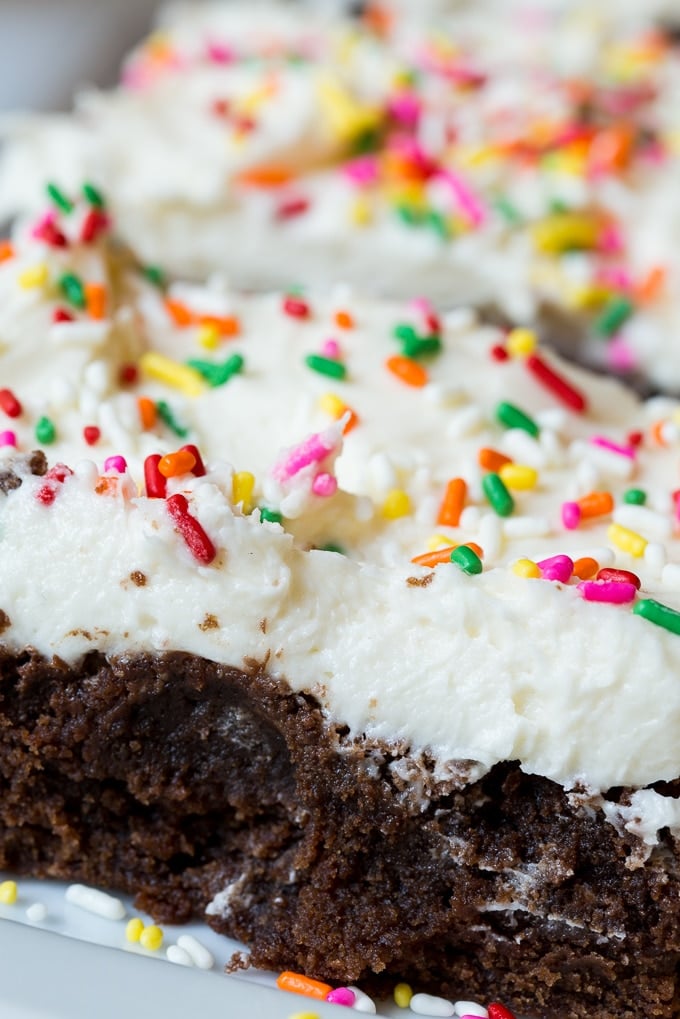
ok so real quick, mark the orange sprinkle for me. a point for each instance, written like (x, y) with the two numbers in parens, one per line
(147, 412)
(656, 431)
(408, 371)
(299, 984)
(443, 555)
(452, 503)
(586, 568)
(173, 464)
(344, 320)
(179, 313)
(95, 298)
(651, 285)
(491, 460)
(265, 176)
(106, 486)
(352, 421)
(6, 250)
(226, 325)
(596, 504)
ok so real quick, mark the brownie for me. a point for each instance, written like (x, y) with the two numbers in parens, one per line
(197, 787)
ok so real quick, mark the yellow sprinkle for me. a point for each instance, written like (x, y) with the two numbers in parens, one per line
(628, 541)
(397, 504)
(518, 476)
(305, 1015)
(526, 568)
(436, 541)
(520, 342)
(151, 938)
(8, 893)
(209, 336)
(588, 297)
(564, 231)
(36, 276)
(403, 995)
(347, 119)
(172, 373)
(331, 404)
(242, 486)
(360, 212)
(133, 929)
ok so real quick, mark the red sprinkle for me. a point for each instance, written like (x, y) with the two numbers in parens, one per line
(292, 207)
(94, 224)
(56, 475)
(499, 353)
(497, 1011)
(296, 307)
(52, 235)
(46, 494)
(156, 484)
(198, 542)
(198, 470)
(61, 315)
(128, 374)
(91, 434)
(557, 384)
(619, 576)
(9, 403)
(635, 438)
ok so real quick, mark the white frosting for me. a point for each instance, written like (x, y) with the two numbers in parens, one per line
(481, 668)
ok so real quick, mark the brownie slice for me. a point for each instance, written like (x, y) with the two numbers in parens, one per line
(203, 789)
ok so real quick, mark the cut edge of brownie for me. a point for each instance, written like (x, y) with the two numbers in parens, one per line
(211, 791)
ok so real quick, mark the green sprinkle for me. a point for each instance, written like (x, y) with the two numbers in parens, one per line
(164, 412)
(332, 547)
(404, 331)
(508, 211)
(422, 346)
(512, 417)
(93, 195)
(45, 432)
(497, 494)
(326, 366)
(659, 614)
(467, 560)
(155, 275)
(72, 288)
(615, 313)
(439, 224)
(273, 516)
(557, 206)
(59, 198)
(217, 374)
(410, 215)
(635, 497)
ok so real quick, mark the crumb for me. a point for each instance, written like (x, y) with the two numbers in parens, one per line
(5, 621)
(263, 625)
(420, 581)
(138, 578)
(210, 622)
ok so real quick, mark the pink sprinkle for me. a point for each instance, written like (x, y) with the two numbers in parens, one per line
(604, 443)
(312, 450)
(467, 201)
(557, 567)
(362, 171)
(46, 222)
(610, 240)
(571, 515)
(615, 277)
(331, 349)
(219, 53)
(620, 355)
(405, 107)
(324, 484)
(8, 438)
(341, 996)
(615, 592)
(115, 463)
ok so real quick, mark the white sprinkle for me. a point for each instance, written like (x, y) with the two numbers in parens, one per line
(611, 464)
(460, 319)
(670, 576)
(178, 955)
(94, 901)
(552, 447)
(362, 1002)
(651, 525)
(655, 557)
(525, 527)
(490, 536)
(669, 432)
(37, 912)
(465, 422)
(428, 1004)
(200, 956)
(470, 1008)
(605, 556)
(523, 448)
(469, 518)
(587, 477)
(553, 418)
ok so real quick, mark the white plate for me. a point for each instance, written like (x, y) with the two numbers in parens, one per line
(76, 965)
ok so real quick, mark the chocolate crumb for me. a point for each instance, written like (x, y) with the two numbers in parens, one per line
(263, 625)
(209, 623)
(9, 481)
(5, 621)
(420, 581)
(138, 578)
(37, 463)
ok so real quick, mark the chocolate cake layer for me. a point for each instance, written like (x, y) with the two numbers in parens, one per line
(199, 788)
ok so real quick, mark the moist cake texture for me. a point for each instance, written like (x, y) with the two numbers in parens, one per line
(372, 655)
